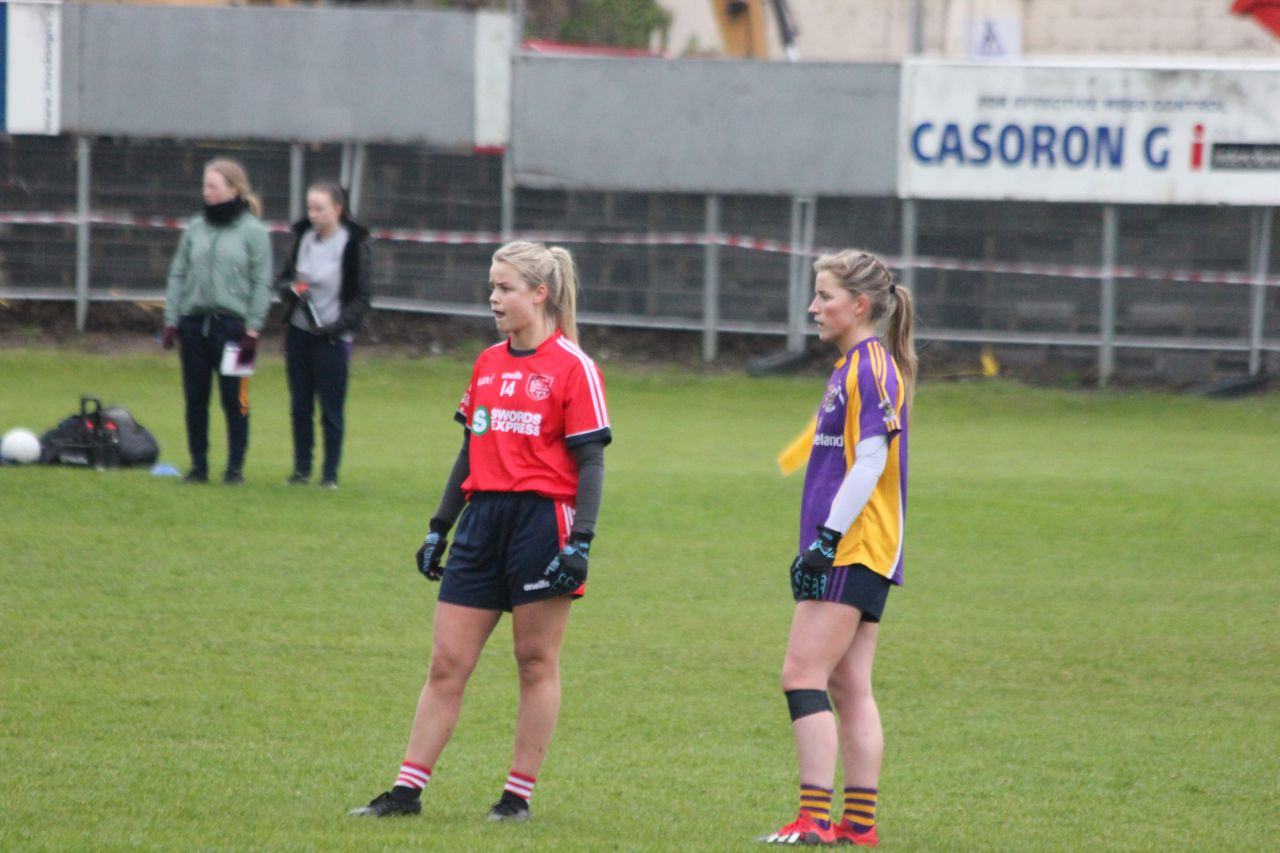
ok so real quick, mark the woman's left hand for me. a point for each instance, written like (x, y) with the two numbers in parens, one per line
(248, 346)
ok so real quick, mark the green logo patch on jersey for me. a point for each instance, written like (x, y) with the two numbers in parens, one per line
(480, 421)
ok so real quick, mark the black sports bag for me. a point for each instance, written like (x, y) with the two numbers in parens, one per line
(99, 438)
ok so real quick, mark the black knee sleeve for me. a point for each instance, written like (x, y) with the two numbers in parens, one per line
(802, 703)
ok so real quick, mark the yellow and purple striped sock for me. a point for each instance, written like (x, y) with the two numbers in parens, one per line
(860, 808)
(816, 803)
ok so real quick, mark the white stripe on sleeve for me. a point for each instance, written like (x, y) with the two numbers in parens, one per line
(593, 382)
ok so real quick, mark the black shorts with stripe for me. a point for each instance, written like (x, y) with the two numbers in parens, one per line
(503, 544)
(856, 586)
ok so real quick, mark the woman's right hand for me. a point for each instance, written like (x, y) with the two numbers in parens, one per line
(428, 557)
(169, 338)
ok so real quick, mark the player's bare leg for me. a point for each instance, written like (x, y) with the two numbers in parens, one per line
(539, 629)
(821, 633)
(861, 735)
(459, 636)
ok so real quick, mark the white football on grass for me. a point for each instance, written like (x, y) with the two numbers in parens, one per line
(20, 446)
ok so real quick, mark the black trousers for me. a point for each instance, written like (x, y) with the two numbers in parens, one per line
(202, 338)
(317, 368)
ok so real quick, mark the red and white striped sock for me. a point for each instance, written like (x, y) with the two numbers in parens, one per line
(413, 776)
(520, 785)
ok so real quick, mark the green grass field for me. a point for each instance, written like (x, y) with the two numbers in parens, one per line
(1086, 654)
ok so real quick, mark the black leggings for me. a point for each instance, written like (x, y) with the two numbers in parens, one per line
(317, 367)
(202, 338)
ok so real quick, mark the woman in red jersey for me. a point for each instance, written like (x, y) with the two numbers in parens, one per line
(529, 476)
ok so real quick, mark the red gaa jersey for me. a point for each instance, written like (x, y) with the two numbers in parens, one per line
(526, 412)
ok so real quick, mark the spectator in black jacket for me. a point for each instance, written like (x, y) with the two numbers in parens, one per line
(326, 290)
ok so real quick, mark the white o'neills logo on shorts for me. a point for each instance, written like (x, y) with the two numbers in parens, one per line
(542, 584)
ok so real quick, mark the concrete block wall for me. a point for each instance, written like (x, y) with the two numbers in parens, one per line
(1138, 27)
(879, 30)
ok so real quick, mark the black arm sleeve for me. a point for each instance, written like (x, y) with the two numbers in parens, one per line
(453, 500)
(590, 458)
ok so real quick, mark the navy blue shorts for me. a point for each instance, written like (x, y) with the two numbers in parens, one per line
(856, 586)
(503, 544)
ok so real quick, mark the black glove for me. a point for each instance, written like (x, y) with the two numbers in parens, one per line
(568, 570)
(428, 558)
(821, 555)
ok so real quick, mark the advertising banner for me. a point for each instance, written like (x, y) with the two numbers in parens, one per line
(30, 67)
(1090, 133)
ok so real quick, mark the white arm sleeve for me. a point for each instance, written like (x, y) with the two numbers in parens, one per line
(870, 456)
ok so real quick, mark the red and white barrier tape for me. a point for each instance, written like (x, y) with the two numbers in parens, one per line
(692, 238)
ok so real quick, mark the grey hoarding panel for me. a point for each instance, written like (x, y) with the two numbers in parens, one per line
(705, 126)
(312, 74)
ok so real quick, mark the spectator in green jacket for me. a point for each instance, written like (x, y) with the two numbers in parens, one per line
(218, 294)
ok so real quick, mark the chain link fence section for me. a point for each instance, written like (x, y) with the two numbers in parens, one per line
(1007, 273)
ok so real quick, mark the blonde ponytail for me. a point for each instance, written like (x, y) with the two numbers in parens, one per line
(564, 300)
(900, 337)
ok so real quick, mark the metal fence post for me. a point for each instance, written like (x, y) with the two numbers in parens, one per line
(1107, 308)
(508, 212)
(909, 234)
(711, 281)
(344, 165)
(795, 329)
(810, 230)
(84, 163)
(356, 189)
(295, 181)
(803, 224)
(1261, 263)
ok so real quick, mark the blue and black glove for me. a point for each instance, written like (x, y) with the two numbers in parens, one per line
(428, 557)
(568, 570)
(820, 555)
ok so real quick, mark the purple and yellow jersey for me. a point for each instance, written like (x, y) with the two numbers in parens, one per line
(864, 398)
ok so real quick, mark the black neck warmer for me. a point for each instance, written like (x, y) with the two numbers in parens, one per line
(225, 213)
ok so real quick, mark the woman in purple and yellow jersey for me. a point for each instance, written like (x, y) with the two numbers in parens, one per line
(851, 525)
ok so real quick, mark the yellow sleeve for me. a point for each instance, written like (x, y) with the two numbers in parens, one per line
(794, 456)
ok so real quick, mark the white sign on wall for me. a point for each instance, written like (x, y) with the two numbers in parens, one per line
(994, 39)
(31, 67)
(1090, 133)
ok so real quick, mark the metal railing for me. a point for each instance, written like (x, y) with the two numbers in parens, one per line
(1193, 279)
